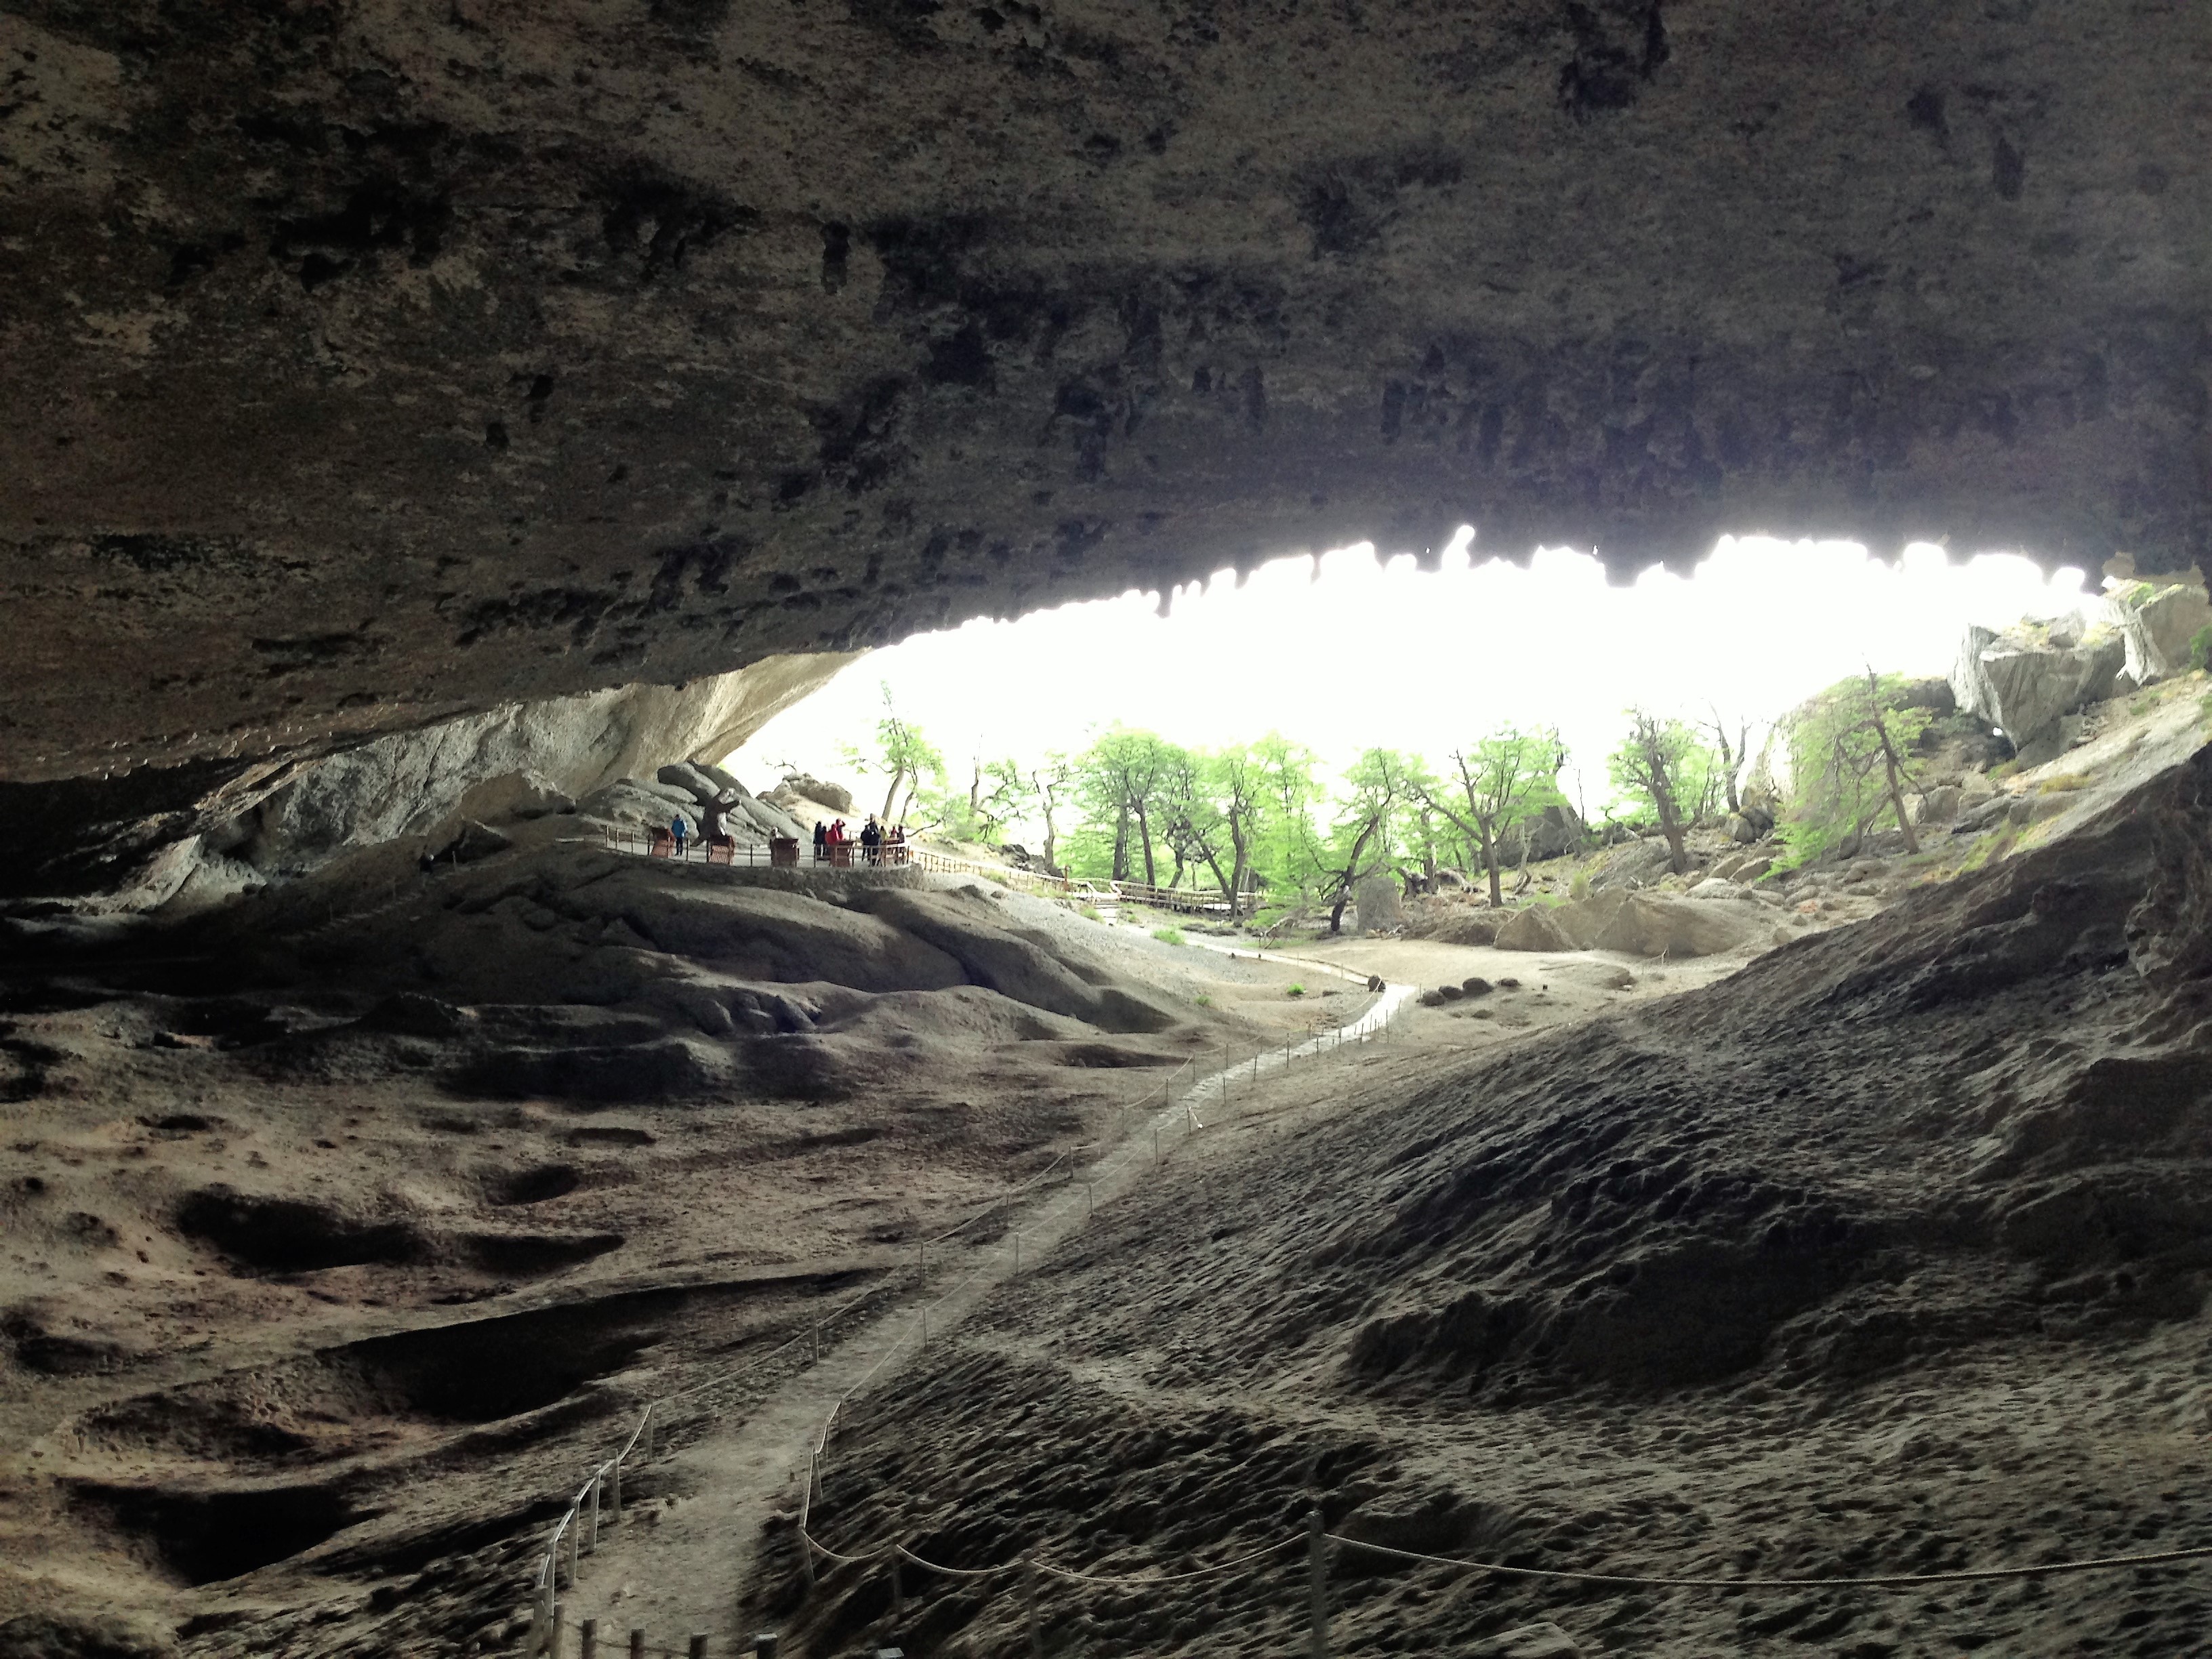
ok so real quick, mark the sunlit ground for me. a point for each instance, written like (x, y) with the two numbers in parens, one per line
(1341, 652)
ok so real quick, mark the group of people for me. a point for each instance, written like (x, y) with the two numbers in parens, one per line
(878, 844)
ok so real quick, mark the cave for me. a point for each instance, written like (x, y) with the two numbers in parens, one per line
(438, 439)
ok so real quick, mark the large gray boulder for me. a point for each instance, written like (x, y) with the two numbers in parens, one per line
(1638, 865)
(2022, 680)
(1554, 832)
(694, 780)
(1378, 900)
(2157, 625)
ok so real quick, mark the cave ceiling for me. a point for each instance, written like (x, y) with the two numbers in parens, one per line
(366, 363)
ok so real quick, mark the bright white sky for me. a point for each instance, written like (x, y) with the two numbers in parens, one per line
(1342, 654)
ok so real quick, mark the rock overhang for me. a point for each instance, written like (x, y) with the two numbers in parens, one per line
(376, 364)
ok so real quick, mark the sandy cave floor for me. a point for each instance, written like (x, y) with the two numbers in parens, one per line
(220, 1416)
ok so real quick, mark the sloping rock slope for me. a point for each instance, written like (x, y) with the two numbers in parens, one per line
(1888, 1253)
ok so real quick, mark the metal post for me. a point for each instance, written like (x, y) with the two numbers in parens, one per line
(637, 1644)
(590, 1648)
(807, 1555)
(597, 1480)
(818, 1345)
(614, 1496)
(553, 1633)
(1090, 1199)
(575, 1526)
(925, 1327)
(1316, 1587)
(648, 1434)
(1036, 1627)
(814, 1478)
(698, 1647)
(1155, 1143)
(899, 1591)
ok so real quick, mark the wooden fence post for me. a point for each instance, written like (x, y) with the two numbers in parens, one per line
(1316, 1587)
(698, 1647)
(637, 1644)
(589, 1647)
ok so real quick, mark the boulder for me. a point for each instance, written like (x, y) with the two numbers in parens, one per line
(2157, 626)
(1636, 924)
(693, 782)
(1639, 864)
(1536, 928)
(1554, 832)
(1938, 805)
(1751, 871)
(1376, 899)
(1753, 824)
(2020, 682)
(834, 796)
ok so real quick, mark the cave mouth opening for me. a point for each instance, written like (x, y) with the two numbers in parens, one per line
(1342, 652)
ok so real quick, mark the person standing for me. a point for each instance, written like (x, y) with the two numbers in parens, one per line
(821, 840)
(871, 838)
(677, 828)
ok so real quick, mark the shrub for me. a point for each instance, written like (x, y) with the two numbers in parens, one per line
(1579, 888)
(2200, 648)
(1203, 1000)
(1168, 935)
(1090, 913)
(1296, 991)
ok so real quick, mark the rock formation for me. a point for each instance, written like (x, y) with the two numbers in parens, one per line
(2023, 679)
(151, 831)
(374, 364)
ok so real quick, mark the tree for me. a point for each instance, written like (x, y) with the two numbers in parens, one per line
(903, 753)
(1364, 838)
(1733, 757)
(1847, 749)
(1497, 782)
(1119, 781)
(1287, 852)
(1654, 764)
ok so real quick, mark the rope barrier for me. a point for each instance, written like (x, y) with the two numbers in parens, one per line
(547, 1617)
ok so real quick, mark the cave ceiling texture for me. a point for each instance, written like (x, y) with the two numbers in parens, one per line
(371, 362)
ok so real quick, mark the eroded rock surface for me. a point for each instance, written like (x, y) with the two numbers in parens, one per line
(367, 365)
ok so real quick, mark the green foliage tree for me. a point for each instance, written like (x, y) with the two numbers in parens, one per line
(1121, 783)
(1286, 854)
(1847, 761)
(901, 754)
(1662, 768)
(1495, 782)
(1368, 832)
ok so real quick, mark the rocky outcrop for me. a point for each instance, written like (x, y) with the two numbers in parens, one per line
(2023, 679)
(2159, 627)
(377, 362)
(1639, 924)
(143, 836)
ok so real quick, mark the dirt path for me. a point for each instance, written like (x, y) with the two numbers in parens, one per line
(683, 1569)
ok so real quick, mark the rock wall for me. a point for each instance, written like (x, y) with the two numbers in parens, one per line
(143, 836)
(372, 364)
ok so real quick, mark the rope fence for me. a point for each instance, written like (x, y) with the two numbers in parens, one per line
(598, 1501)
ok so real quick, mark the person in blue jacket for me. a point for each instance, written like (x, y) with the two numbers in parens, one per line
(676, 829)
